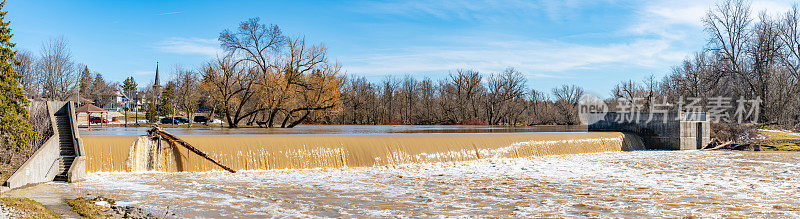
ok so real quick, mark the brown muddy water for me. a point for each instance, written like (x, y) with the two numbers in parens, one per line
(609, 184)
(401, 171)
(300, 151)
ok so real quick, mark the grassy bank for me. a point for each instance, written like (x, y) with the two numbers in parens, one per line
(26, 208)
(780, 140)
(87, 208)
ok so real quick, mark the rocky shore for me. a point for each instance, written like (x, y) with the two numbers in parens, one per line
(103, 207)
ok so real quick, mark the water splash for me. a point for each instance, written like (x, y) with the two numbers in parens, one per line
(145, 155)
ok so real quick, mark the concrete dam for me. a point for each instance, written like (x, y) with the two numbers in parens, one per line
(68, 156)
(264, 152)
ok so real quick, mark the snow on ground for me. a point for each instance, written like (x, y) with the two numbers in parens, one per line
(619, 184)
(780, 131)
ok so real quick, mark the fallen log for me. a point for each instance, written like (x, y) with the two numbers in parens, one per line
(721, 146)
(731, 145)
(158, 132)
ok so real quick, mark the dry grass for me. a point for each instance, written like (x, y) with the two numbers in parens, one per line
(781, 146)
(87, 208)
(781, 135)
(29, 208)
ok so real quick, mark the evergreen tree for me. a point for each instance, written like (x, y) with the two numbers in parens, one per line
(129, 86)
(85, 83)
(166, 105)
(14, 130)
(101, 91)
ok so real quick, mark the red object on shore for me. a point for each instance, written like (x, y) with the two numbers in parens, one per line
(98, 120)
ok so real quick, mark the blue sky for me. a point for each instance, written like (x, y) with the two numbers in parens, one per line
(593, 44)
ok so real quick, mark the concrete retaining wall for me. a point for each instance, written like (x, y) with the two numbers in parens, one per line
(42, 166)
(658, 131)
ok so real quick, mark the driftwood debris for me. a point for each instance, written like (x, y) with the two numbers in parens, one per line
(158, 132)
(730, 145)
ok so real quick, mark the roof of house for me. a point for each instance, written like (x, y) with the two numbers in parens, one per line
(90, 108)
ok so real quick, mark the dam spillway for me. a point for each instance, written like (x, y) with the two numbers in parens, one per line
(300, 151)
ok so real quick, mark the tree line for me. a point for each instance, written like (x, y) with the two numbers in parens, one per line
(269, 79)
(53, 74)
(465, 97)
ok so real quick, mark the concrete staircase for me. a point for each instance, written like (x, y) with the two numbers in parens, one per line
(61, 156)
(66, 145)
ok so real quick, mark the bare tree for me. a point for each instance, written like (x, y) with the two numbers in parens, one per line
(789, 36)
(408, 98)
(429, 111)
(388, 100)
(57, 70)
(30, 81)
(728, 24)
(258, 45)
(764, 51)
(232, 87)
(537, 109)
(187, 93)
(469, 93)
(790, 58)
(566, 99)
(309, 82)
(359, 100)
(506, 91)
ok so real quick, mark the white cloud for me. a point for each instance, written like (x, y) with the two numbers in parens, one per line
(537, 58)
(543, 58)
(190, 46)
(144, 73)
(772, 7)
(479, 10)
(673, 19)
(169, 13)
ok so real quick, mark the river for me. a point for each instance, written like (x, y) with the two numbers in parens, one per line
(609, 184)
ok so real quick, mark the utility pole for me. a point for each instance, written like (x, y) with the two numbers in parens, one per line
(136, 107)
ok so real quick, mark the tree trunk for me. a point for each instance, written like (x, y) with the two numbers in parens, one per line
(286, 118)
(297, 122)
(271, 118)
(231, 123)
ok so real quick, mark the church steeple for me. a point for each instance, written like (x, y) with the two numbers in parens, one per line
(157, 83)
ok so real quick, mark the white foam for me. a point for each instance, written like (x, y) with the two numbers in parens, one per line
(626, 184)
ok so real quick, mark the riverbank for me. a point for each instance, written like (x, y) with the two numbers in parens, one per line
(780, 140)
(60, 200)
(24, 208)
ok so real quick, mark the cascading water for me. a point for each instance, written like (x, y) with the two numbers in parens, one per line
(253, 152)
(145, 155)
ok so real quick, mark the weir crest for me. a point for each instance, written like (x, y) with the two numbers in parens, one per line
(264, 152)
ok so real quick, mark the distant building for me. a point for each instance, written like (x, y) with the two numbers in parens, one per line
(118, 101)
(157, 84)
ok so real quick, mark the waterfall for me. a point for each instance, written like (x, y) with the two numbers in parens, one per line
(144, 155)
(263, 152)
